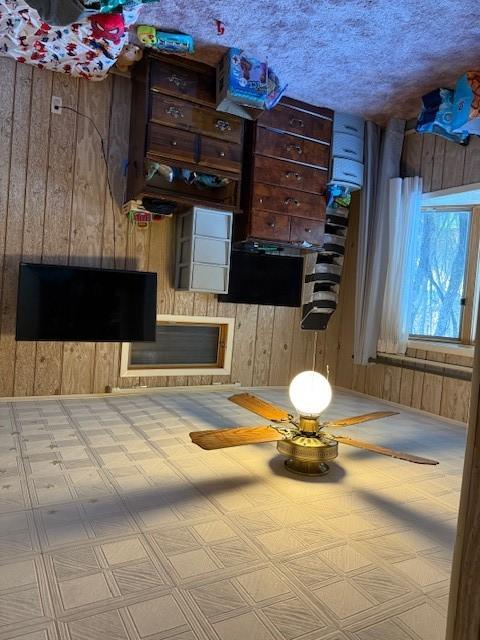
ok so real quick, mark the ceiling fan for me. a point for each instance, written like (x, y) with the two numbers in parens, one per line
(305, 441)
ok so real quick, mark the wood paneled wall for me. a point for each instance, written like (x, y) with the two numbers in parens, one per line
(55, 207)
(442, 164)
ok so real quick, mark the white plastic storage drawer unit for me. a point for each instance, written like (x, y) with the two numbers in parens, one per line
(203, 249)
(347, 151)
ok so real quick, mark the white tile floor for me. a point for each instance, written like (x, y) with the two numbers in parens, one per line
(114, 527)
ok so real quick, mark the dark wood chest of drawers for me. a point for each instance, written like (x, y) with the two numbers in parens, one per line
(174, 123)
(286, 164)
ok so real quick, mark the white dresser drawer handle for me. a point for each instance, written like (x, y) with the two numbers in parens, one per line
(347, 173)
(349, 151)
(351, 127)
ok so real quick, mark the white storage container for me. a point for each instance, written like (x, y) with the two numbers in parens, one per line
(347, 146)
(347, 172)
(203, 250)
(348, 123)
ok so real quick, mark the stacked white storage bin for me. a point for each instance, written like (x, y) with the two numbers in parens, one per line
(204, 238)
(347, 151)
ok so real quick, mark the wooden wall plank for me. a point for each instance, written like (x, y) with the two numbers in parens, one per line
(302, 348)
(88, 213)
(8, 72)
(453, 165)
(426, 166)
(282, 342)
(56, 228)
(115, 224)
(471, 169)
(432, 386)
(437, 169)
(392, 384)
(14, 224)
(261, 365)
(411, 155)
(244, 344)
(34, 214)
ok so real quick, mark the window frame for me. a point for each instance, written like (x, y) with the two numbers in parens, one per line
(470, 286)
(223, 365)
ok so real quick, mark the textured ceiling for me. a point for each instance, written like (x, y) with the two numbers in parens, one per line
(370, 57)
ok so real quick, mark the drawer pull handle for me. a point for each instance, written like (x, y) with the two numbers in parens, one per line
(296, 122)
(351, 128)
(347, 173)
(223, 125)
(260, 200)
(294, 174)
(295, 147)
(221, 154)
(349, 151)
(174, 143)
(308, 230)
(178, 81)
(271, 225)
(289, 201)
(175, 112)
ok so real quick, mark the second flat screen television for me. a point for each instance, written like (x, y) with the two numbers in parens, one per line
(257, 278)
(85, 304)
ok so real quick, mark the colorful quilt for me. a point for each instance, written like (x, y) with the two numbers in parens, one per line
(86, 49)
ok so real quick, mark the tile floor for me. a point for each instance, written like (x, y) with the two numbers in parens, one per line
(114, 527)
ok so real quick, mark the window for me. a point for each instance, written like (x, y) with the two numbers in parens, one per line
(442, 282)
(184, 345)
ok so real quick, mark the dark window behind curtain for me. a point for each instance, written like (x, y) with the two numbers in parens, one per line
(178, 344)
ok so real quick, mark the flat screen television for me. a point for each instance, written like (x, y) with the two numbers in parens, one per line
(257, 278)
(85, 304)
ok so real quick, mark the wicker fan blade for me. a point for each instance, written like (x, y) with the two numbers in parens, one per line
(260, 407)
(383, 450)
(366, 417)
(222, 438)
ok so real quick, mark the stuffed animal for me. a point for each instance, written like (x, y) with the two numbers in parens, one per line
(108, 26)
(128, 56)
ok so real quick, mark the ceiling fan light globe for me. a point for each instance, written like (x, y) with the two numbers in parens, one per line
(310, 393)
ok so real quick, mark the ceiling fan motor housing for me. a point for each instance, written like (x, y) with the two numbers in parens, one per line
(308, 451)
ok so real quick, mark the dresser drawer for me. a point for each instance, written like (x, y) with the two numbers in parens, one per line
(179, 113)
(282, 145)
(347, 172)
(303, 230)
(348, 123)
(173, 143)
(347, 146)
(295, 203)
(218, 154)
(269, 226)
(177, 80)
(290, 175)
(296, 121)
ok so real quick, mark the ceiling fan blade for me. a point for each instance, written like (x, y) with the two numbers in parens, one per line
(222, 438)
(384, 450)
(260, 407)
(366, 417)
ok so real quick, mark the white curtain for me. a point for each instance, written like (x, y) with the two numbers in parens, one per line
(382, 152)
(403, 208)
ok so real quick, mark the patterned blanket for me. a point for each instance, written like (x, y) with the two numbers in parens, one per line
(86, 49)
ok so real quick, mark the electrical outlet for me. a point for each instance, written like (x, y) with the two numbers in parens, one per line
(56, 105)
